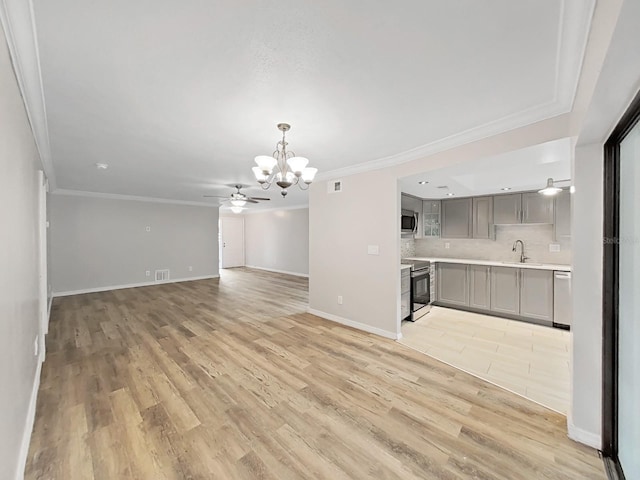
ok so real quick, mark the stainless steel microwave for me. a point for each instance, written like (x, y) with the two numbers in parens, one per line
(408, 221)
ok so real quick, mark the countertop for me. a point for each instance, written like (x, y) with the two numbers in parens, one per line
(404, 267)
(493, 263)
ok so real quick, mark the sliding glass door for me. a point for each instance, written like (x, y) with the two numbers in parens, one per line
(629, 306)
(621, 299)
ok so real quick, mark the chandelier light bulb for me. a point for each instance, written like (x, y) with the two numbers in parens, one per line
(308, 174)
(266, 163)
(297, 164)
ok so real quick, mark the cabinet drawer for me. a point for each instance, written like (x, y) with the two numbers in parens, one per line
(405, 284)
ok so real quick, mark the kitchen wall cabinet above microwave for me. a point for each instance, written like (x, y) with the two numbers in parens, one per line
(470, 217)
(518, 208)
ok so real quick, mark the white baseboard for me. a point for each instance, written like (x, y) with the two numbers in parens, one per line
(286, 272)
(131, 285)
(588, 438)
(30, 420)
(351, 323)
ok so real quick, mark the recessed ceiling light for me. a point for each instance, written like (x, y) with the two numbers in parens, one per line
(506, 189)
(102, 166)
(450, 194)
(423, 182)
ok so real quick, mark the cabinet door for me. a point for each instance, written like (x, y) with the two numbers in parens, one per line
(507, 209)
(453, 286)
(537, 208)
(456, 218)
(431, 218)
(405, 305)
(483, 217)
(405, 281)
(562, 210)
(536, 294)
(505, 290)
(480, 287)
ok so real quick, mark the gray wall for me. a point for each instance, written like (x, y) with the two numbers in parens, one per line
(19, 164)
(278, 240)
(535, 237)
(97, 243)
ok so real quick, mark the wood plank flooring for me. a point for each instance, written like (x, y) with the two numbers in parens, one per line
(230, 379)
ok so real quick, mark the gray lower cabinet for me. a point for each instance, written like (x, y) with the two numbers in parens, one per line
(483, 218)
(480, 286)
(505, 290)
(453, 287)
(405, 292)
(536, 294)
(537, 208)
(456, 218)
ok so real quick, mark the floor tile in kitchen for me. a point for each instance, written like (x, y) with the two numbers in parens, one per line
(527, 359)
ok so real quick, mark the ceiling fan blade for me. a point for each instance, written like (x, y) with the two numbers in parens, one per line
(260, 198)
(250, 200)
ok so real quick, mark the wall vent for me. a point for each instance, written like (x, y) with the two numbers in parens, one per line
(334, 186)
(162, 275)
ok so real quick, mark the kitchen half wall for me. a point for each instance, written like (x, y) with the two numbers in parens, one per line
(536, 238)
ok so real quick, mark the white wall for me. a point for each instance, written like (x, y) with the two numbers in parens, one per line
(19, 367)
(98, 243)
(278, 240)
(584, 417)
(341, 226)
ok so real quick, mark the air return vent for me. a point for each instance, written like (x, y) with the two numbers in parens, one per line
(162, 275)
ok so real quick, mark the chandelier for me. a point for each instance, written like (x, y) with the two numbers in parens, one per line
(283, 167)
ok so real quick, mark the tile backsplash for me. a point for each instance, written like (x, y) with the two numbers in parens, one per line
(536, 240)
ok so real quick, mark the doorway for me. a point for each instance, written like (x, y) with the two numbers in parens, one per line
(231, 242)
(621, 304)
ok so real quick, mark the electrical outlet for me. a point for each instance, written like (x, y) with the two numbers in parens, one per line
(554, 247)
(339, 299)
(147, 273)
(373, 250)
(190, 268)
(447, 245)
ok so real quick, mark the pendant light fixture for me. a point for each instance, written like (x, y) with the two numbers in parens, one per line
(283, 167)
(551, 189)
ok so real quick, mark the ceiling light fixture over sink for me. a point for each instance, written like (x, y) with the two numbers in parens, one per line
(551, 189)
(283, 167)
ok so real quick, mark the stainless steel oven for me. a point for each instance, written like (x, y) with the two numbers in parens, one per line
(420, 288)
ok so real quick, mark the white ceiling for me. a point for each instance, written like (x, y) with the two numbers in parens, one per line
(520, 170)
(179, 96)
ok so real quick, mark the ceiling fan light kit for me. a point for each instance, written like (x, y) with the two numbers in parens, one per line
(283, 167)
(238, 199)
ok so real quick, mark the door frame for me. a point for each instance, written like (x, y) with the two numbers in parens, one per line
(610, 284)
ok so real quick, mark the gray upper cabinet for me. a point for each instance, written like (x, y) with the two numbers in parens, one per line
(453, 287)
(480, 286)
(483, 217)
(507, 209)
(456, 218)
(562, 223)
(431, 218)
(537, 208)
(505, 290)
(536, 294)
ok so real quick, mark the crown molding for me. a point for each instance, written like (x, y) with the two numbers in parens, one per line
(135, 198)
(18, 21)
(573, 37)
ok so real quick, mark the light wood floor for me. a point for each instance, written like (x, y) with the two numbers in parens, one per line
(230, 379)
(530, 360)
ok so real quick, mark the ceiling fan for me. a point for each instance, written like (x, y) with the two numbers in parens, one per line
(239, 199)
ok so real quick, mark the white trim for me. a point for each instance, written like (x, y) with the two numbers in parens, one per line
(20, 30)
(588, 438)
(354, 324)
(49, 307)
(130, 285)
(274, 209)
(28, 425)
(135, 198)
(286, 272)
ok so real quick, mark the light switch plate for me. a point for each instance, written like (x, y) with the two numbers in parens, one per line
(373, 250)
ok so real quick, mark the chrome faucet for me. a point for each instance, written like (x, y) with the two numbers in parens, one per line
(523, 258)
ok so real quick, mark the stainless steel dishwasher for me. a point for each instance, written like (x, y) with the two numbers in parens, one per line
(562, 311)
